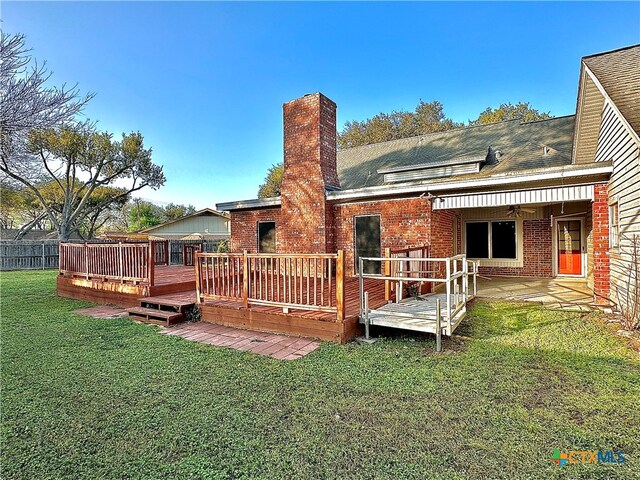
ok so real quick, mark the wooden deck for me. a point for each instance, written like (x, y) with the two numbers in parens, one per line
(322, 325)
(178, 283)
(167, 280)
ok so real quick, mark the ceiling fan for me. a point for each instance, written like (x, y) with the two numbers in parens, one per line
(517, 210)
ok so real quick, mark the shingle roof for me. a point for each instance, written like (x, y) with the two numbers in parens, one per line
(521, 145)
(619, 74)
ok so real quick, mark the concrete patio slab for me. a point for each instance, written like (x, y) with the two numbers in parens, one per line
(563, 293)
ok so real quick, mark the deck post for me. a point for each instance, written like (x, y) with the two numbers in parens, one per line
(245, 279)
(366, 315)
(120, 270)
(152, 266)
(438, 327)
(465, 280)
(475, 277)
(387, 273)
(86, 260)
(340, 307)
(448, 289)
(197, 263)
(361, 287)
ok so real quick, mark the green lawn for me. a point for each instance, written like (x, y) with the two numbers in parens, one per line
(88, 398)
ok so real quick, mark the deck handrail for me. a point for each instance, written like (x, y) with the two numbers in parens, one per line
(117, 262)
(312, 282)
(455, 278)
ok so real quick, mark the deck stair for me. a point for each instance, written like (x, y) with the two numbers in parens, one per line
(164, 311)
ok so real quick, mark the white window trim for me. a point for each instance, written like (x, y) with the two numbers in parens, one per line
(497, 262)
(614, 240)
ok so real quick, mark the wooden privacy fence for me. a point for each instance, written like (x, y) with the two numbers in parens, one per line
(28, 254)
(120, 262)
(312, 282)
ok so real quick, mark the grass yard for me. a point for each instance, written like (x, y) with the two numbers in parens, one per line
(88, 398)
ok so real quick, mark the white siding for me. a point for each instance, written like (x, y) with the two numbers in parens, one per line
(616, 143)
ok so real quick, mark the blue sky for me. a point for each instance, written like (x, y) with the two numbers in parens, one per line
(205, 82)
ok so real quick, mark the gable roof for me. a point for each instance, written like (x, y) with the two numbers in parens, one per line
(618, 72)
(204, 211)
(521, 146)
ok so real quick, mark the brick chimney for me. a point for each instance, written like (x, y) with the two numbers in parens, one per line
(309, 168)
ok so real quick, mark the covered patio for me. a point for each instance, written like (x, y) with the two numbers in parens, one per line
(561, 293)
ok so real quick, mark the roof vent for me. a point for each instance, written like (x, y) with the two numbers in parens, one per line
(546, 151)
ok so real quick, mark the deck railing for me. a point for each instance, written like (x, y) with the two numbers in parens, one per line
(115, 262)
(451, 272)
(312, 282)
(161, 251)
(416, 264)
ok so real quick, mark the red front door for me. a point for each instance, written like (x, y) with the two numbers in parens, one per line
(569, 247)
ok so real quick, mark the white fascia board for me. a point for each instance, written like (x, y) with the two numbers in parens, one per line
(484, 182)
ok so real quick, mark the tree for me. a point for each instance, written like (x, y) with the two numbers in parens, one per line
(42, 143)
(72, 152)
(143, 215)
(272, 182)
(507, 111)
(428, 117)
(174, 211)
(27, 103)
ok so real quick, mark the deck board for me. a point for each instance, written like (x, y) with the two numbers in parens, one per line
(418, 314)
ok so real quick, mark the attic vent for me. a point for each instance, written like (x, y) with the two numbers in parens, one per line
(435, 169)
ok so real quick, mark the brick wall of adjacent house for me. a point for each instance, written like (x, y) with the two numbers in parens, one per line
(537, 252)
(403, 223)
(244, 228)
(600, 234)
(310, 167)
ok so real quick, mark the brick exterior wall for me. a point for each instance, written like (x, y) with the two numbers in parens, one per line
(442, 233)
(310, 166)
(600, 234)
(403, 223)
(537, 252)
(244, 228)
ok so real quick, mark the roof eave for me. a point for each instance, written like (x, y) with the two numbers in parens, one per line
(388, 190)
(250, 204)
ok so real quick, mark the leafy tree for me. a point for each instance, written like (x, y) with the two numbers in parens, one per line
(428, 117)
(507, 111)
(43, 144)
(272, 182)
(28, 104)
(143, 215)
(65, 155)
(173, 211)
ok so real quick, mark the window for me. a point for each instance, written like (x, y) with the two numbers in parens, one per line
(367, 241)
(266, 237)
(614, 225)
(491, 240)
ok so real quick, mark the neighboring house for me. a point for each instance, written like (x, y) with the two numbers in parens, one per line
(206, 224)
(535, 199)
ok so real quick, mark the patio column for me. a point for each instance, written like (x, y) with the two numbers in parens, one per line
(600, 232)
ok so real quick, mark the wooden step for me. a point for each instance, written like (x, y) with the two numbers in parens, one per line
(167, 304)
(155, 316)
